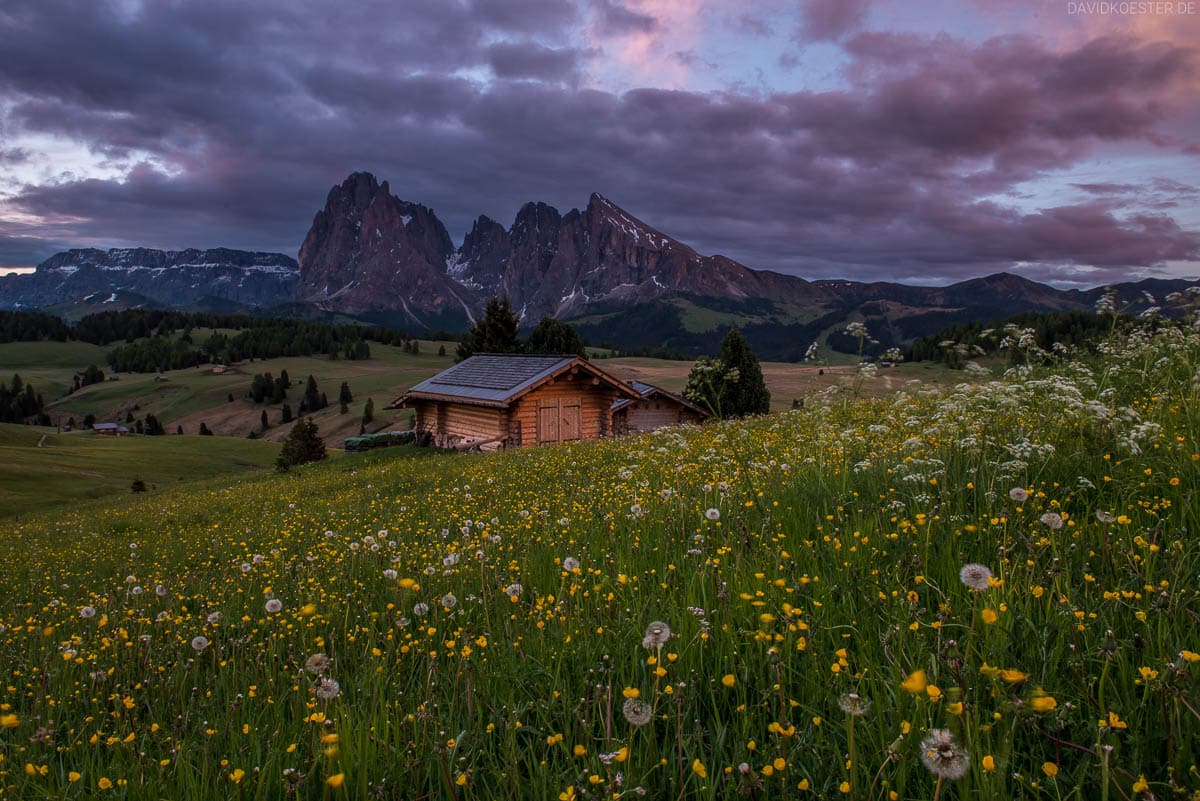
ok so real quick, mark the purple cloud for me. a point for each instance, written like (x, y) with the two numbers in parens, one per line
(902, 172)
(830, 20)
(617, 19)
(528, 60)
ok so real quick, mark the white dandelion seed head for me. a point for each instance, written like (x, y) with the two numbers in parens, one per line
(713, 514)
(326, 688)
(657, 634)
(1052, 519)
(1018, 494)
(449, 600)
(199, 643)
(854, 704)
(274, 605)
(975, 576)
(390, 574)
(87, 612)
(160, 590)
(420, 609)
(317, 664)
(570, 564)
(213, 617)
(943, 756)
(637, 712)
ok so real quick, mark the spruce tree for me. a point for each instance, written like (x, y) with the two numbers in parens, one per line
(730, 385)
(303, 445)
(748, 395)
(312, 398)
(495, 332)
(555, 336)
(263, 420)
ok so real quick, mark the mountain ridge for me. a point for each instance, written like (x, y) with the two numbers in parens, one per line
(372, 255)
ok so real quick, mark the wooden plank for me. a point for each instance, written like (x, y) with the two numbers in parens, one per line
(547, 422)
(569, 421)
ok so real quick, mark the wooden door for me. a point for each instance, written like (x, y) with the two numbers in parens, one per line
(569, 421)
(547, 422)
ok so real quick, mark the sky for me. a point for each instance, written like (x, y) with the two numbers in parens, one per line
(924, 141)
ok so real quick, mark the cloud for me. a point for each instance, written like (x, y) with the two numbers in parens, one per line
(1107, 188)
(753, 25)
(830, 20)
(525, 16)
(528, 60)
(617, 19)
(910, 169)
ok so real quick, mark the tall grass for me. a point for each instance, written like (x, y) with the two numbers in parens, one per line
(485, 618)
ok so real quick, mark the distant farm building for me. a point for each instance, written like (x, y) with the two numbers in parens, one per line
(654, 408)
(512, 401)
(110, 429)
(218, 369)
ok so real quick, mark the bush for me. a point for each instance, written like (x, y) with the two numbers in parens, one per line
(302, 445)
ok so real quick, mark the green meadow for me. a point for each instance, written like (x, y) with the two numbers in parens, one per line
(41, 469)
(977, 590)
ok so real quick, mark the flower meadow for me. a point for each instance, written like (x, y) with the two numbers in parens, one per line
(985, 591)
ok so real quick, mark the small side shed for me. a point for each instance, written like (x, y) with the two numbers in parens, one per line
(508, 400)
(654, 408)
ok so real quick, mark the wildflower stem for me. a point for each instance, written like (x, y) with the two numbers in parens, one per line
(853, 761)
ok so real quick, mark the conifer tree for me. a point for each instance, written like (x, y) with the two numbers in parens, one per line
(495, 332)
(303, 444)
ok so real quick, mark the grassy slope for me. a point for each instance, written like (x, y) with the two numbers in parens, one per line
(66, 468)
(195, 395)
(49, 366)
(833, 568)
(787, 381)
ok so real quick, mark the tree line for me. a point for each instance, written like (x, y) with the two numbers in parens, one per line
(1077, 330)
(20, 404)
(158, 339)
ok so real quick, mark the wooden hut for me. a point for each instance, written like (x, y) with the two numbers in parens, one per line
(507, 400)
(654, 408)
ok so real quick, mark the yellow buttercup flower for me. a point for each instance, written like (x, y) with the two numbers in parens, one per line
(915, 683)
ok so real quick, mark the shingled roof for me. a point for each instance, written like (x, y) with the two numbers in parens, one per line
(647, 390)
(494, 379)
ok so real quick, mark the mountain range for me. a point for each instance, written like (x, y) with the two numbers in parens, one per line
(371, 256)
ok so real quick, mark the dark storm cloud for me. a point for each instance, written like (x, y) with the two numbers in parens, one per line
(528, 60)
(909, 172)
(25, 252)
(617, 19)
(525, 16)
(828, 20)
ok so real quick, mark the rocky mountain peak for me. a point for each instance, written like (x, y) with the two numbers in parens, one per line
(369, 251)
